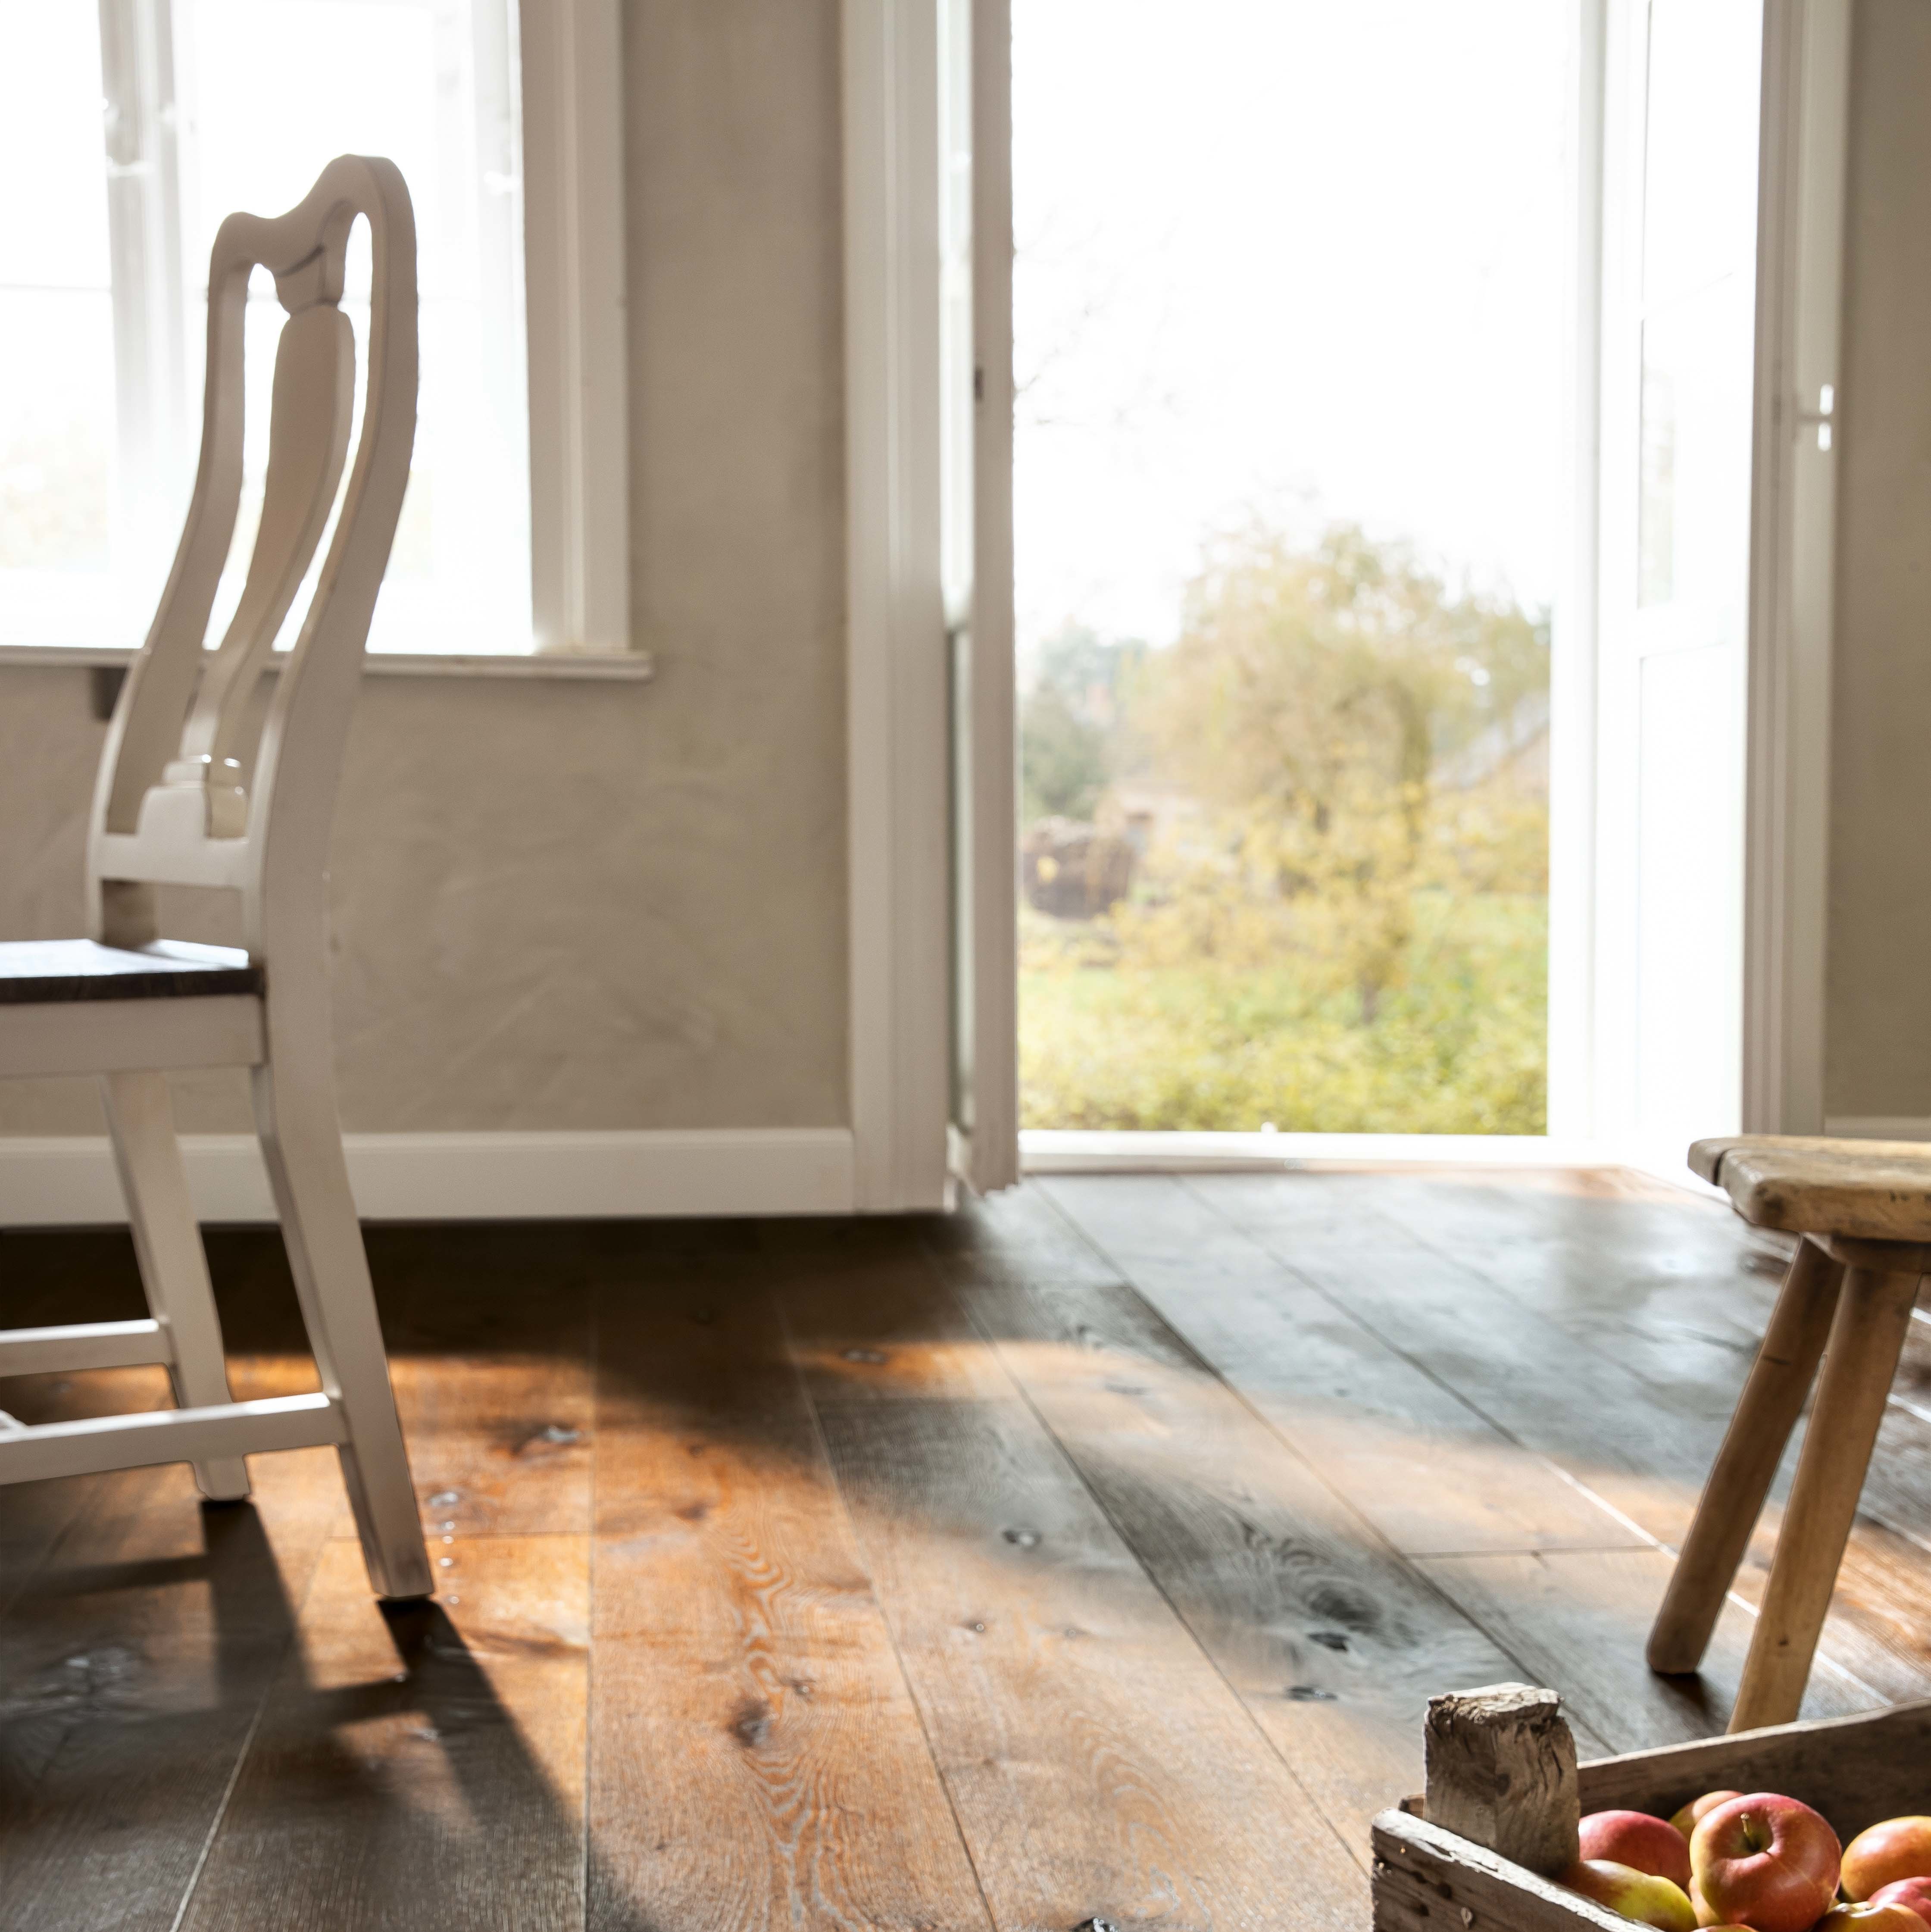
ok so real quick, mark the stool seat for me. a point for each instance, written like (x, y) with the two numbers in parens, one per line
(52, 972)
(1866, 1190)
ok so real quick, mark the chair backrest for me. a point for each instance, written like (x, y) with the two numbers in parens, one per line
(170, 806)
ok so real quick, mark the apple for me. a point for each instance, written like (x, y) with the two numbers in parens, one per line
(1899, 1848)
(1687, 1820)
(1705, 1918)
(1767, 1861)
(1869, 1917)
(1640, 1895)
(1636, 1838)
(1914, 1892)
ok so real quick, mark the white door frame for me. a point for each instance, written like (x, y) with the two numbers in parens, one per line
(897, 832)
(1800, 301)
(905, 920)
(1787, 749)
(1571, 1106)
(934, 991)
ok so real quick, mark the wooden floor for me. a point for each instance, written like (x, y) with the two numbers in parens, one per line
(1090, 1553)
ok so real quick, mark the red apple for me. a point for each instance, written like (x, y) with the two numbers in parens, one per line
(1692, 1814)
(1640, 1895)
(1899, 1848)
(1914, 1892)
(1869, 1917)
(1766, 1862)
(1635, 1838)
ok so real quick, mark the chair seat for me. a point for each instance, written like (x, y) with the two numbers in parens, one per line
(51, 972)
(1870, 1190)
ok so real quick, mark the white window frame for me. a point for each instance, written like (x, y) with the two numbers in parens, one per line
(574, 266)
(569, 66)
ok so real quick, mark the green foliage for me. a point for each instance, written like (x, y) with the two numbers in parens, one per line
(1341, 923)
(1069, 724)
(1217, 1045)
(1315, 700)
(1063, 762)
(1089, 672)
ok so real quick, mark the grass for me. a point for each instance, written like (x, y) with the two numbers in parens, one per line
(1458, 1046)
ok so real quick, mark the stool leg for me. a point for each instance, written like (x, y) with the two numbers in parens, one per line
(1767, 1412)
(302, 1144)
(1866, 1338)
(174, 1265)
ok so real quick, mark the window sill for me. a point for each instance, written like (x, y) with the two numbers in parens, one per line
(626, 667)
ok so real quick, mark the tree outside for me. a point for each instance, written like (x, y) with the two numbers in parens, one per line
(1291, 870)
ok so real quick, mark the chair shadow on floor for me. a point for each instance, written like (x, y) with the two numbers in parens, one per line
(127, 1706)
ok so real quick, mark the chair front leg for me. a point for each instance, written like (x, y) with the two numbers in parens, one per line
(301, 1143)
(174, 1264)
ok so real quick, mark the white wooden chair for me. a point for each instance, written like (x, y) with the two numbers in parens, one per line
(172, 806)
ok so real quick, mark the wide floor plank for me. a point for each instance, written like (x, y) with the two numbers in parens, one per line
(133, 1670)
(1426, 1466)
(1640, 1443)
(1332, 1641)
(1578, 1619)
(1099, 1765)
(416, 1767)
(494, 1384)
(756, 1760)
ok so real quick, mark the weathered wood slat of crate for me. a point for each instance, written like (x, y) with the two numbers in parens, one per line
(1426, 1879)
(1855, 1770)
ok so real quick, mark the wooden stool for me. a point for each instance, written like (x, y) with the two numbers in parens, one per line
(1863, 1208)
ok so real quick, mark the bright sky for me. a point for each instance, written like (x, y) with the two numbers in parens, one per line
(1311, 257)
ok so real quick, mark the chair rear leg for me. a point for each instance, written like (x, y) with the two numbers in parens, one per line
(301, 1142)
(174, 1265)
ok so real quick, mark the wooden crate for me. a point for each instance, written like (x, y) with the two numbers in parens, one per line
(1855, 1771)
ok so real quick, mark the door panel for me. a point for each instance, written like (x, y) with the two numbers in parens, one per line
(1679, 358)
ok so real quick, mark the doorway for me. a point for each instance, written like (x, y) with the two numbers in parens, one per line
(1292, 293)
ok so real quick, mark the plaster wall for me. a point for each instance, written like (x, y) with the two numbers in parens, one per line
(592, 904)
(1878, 999)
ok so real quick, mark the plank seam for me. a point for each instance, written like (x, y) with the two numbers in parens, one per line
(271, 1682)
(215, 1823)
(878, 1604)
(591, 1540)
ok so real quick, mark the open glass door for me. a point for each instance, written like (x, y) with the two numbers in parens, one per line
(1678, 344)
(975, 564)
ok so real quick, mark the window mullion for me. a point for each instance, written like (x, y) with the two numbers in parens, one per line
(144, 221)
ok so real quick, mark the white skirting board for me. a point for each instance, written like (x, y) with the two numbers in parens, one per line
(69, 1181)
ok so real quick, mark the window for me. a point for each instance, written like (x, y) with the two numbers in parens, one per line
(143, 123)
